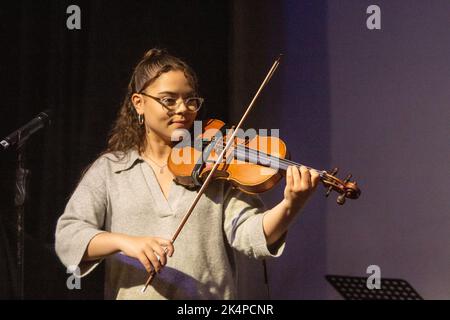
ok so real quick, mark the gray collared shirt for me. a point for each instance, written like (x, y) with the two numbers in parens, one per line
(122, 194)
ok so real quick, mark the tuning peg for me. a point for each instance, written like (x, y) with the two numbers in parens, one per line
(330, 188)
(341, 199)
(348, 178)
(334, 171)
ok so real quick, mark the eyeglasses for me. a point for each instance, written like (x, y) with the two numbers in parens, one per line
(193, 104)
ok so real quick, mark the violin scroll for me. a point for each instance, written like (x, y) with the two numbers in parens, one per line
(346, 189)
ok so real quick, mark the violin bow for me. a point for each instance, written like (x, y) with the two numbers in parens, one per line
(208, 179)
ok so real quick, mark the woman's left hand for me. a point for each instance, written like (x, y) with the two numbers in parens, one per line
(300, 184)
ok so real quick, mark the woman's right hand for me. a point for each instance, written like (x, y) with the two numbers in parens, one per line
(147, 250)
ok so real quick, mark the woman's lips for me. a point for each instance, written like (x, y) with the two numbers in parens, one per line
(179, 123)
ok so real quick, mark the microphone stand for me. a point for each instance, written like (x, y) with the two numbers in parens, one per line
(21, 186)
(19, 138)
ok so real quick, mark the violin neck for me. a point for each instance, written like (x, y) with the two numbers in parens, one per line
(257, 157)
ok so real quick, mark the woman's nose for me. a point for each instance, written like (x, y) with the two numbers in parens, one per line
(181, 108)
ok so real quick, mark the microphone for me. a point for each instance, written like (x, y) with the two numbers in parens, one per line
(22, 134)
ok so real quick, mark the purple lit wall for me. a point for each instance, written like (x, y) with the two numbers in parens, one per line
(390, 125)
(375, 103)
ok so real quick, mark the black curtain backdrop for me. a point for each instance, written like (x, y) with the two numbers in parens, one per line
(82, 76)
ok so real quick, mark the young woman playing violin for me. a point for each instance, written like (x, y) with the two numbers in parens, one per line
(127, 205)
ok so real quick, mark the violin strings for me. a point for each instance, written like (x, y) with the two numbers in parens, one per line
(267, 157)
(264, 156)
(271, 159)
(283, 163)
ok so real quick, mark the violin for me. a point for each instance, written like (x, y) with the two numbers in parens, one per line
(241, 161)
(253, 164)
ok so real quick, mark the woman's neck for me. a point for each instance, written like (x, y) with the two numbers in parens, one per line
(157, 148)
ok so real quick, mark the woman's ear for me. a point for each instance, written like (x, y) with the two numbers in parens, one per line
(138, 103)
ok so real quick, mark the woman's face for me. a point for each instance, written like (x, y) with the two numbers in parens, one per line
(169, 87)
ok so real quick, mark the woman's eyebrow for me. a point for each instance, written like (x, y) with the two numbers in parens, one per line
(171, 93)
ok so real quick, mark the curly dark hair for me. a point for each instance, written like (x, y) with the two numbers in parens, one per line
(126, 132)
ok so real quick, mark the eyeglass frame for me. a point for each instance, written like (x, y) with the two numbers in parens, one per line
(176, 107)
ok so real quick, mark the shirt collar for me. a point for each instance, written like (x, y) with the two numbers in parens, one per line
(122, 161)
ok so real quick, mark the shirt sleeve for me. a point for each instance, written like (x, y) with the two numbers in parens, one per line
(243, 225)
(82, 220)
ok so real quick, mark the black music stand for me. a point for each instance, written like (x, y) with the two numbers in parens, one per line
(355, 288)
